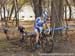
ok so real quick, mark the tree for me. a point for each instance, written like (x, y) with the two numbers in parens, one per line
(3, 6)
(56, 15)
(67, 2)
(37, 7)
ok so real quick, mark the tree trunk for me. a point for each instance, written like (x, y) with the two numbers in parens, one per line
(37, 7)
(16, 14)
(5, 19)
(12, 9)
(66, 32)
(56, 15)
(1, 13)
(70, 11)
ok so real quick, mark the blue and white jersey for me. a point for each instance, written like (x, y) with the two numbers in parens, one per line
(39, 22)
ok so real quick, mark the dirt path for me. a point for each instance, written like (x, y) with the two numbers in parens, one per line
(13, 49)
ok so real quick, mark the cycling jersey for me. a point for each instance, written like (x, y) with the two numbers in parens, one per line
(39, 23)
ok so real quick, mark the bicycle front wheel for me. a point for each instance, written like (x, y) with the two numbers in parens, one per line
(47, 45)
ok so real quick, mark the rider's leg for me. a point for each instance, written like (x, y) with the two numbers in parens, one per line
(23, 34)
(21, 37)
(37, 34)
(7, 34)
(37, 37)
(38, 31)
(49, 31)
(37, 45)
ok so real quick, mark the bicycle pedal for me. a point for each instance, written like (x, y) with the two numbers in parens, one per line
(36, 46)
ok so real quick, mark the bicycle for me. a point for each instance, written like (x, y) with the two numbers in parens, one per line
(45, 41)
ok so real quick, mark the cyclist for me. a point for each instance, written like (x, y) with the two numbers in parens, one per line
(22, 32)
(38, 25)
(5, 29)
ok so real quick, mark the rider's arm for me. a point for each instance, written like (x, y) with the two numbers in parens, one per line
(37, 22)
(23, 29)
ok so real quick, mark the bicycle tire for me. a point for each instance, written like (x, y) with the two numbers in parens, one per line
(47, 45)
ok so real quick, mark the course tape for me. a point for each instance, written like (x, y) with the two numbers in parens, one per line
(58, 28)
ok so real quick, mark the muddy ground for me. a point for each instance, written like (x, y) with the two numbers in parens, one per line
(13, 47)
(10, 48)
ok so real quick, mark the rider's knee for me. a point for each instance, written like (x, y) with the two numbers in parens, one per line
(37, 34)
